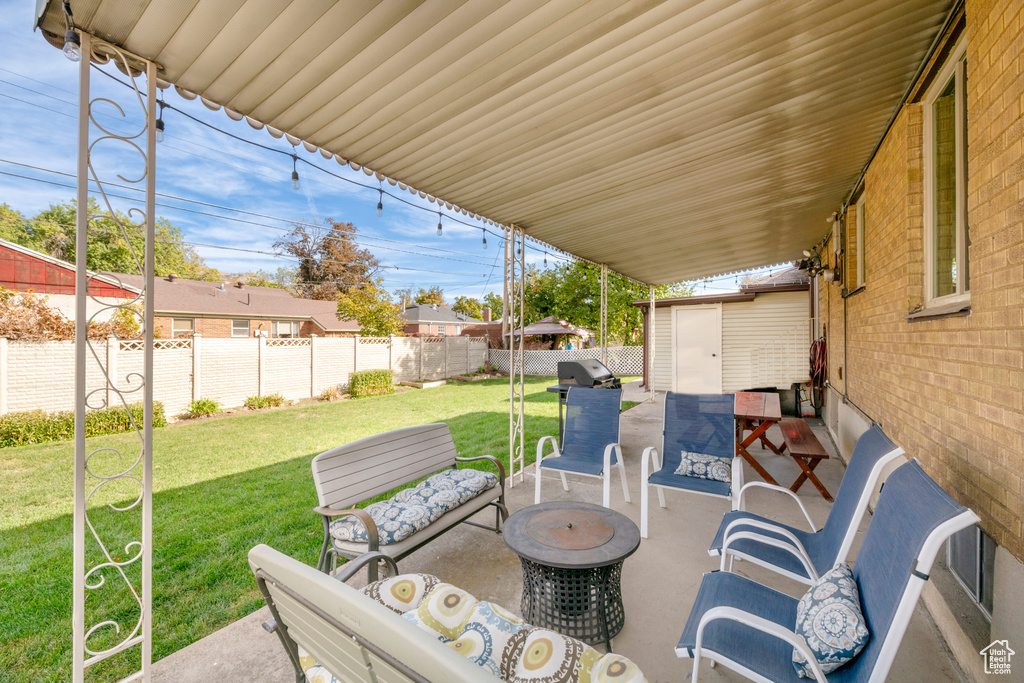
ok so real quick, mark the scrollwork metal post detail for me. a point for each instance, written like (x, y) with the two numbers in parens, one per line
(515, 303)
(118, 480)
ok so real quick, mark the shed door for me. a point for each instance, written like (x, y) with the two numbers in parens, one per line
(697, 349)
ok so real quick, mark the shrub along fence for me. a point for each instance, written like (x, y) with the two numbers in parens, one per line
(41, 375)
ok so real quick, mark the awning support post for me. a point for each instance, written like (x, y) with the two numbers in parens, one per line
(604, 314)
(114, 568)
(515, 318)
(650, 341)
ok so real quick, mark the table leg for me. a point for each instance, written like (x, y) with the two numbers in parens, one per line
(741, 449)
(808, 473)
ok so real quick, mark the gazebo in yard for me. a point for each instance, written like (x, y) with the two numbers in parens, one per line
(664, 141)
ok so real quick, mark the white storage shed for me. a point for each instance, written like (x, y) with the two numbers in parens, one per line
(756, 338)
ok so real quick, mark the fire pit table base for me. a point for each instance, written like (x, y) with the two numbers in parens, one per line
(585, 604)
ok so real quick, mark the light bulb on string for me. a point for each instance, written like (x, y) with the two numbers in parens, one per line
(483, 234)
(72, 45)
(545, 258)
(295, 172)
(440, 228)
(380, 204)
(160, 119)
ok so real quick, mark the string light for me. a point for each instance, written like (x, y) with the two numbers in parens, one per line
(483, 233)
(72, 43)
(439, 227)
(380, 203)
(295, 172)
(545, 258)
(160, 120)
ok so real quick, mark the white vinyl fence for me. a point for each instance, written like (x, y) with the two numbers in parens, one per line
(41, 375)
(622, 360)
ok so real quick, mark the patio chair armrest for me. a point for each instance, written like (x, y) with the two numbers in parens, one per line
(761, 624)
(797, 549)
(780, 489)
(353, 566)
(649, 457)
(372, 538)
(489, 458)
(540, 448)
(608, 455)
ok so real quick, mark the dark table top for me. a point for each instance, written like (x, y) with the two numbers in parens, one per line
(758, 405)
(571, 535)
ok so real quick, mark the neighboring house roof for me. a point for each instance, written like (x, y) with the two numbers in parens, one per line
(195, 297)
(434, 313)
(23, 269)
(789, 280)
(549, 325)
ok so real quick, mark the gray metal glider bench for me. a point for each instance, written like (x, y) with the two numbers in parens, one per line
(359, 471)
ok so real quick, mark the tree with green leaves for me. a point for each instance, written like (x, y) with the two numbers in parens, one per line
(370, 305)
(280, 279)
(115, 243)
(467, 305)
(404, 297)
(434, 295)
(496, 303)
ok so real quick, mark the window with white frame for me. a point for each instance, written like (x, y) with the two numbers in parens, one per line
(441, 329)
(947, 278)
(182, 327)
(239, 328)
(284, 329)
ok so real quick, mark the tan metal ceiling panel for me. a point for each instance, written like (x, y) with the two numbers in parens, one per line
(669, 139)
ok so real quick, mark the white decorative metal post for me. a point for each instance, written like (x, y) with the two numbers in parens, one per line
(651, 344)
(113, 536)
(604, 314)
(515, 300)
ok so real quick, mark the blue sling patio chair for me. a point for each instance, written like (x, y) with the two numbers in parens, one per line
(749, 628)
(804, 555)
(590, 445)
(695, 423)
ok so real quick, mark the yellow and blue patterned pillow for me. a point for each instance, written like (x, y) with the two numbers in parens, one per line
(830, 619)
(402, 593)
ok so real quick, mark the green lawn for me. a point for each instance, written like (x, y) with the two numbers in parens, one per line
(220, 487)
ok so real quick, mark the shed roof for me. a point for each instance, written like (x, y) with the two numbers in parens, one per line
(667, 139)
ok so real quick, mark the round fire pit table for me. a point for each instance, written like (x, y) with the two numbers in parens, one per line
(572, 556)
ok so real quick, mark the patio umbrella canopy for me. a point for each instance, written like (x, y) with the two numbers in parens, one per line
(668, 140)
(549, 325)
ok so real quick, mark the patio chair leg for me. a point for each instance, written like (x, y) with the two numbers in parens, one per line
(607, 489)
(661, 496)
(536, 484)
(643, 508)
(565, 484)
(622, 475)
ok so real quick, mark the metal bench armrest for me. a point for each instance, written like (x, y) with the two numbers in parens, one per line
(372, 538)
(353, 566)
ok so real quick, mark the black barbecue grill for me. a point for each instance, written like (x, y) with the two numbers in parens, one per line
(589, 373)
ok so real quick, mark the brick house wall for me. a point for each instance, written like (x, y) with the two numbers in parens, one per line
(218, 328)
(949, 390)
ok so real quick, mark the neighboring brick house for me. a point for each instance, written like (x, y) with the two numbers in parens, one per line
(433, 320)
(26, 270)
(217, 309)
(925, 323)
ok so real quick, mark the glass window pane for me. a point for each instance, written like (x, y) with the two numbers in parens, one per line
(944, 182)
(239, 328)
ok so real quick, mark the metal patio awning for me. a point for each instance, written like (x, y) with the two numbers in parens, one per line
(668, 140)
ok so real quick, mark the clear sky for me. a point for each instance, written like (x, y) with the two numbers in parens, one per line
(211, 178)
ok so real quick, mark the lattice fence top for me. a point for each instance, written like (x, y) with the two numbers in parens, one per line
(158, 345)
(622, 360)
(288, 342)
(380, 341)
(433, 340)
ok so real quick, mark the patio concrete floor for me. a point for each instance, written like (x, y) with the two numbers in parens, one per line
(659, 582)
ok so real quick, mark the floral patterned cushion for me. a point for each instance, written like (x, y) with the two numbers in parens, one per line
(445, 611)
(485, 635)
(705, 466)
(829, 617)
(413, 509)
(402, 593)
